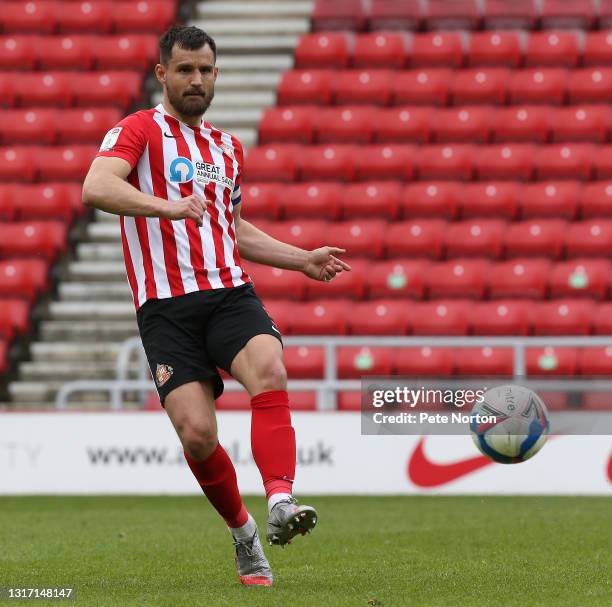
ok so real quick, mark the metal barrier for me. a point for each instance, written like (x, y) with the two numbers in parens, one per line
(330, 384)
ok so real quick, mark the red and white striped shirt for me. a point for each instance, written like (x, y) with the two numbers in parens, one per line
(171, 160)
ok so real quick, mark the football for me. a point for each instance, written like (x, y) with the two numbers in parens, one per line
(510, 424)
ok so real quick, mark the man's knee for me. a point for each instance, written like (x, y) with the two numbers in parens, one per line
(271, 374)
(199, 440)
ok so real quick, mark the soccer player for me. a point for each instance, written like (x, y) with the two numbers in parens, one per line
(174, 180)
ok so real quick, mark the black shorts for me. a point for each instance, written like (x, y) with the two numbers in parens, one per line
(187, 337)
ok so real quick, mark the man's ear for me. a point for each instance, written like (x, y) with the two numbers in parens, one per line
(160, 73)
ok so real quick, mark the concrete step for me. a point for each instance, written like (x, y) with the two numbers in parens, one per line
(254, 63)
(255, 10)
(104, 231)
(26, 393)
(105, 217)
(218, 28)
(254, 100)
(232, 44)
(243, 81)
(100, 251)
(72, 352)
(87, 310)
(97, 270)
(69, 371)
(234, 117)
(95, 291)
(86, 330)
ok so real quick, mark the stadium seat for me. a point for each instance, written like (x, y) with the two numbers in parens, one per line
(313, 199)
(349, 401)
(48, 201)
(16, 52)
(563, 317)
(515, 15)
(44, 88)
(345, 124)
(86, 125)
(29, 126)
(462, 124)
(4, 363)
(305, 86)
(129, 51)
(596, 401)
(602, 319)
(564, 161)
(595, 361)
(482, 85)
(424, 362)
(334, 162)
(438, 199)
(360, 238)
(282, 312)
(571, 14)
(591, 85)
(552, 49)
(416, 238)
(581, 123)
(68, 162)
(14, 317)
(144, 16)
(303, 233)
(589, 237)
(426, 86)
(521, 277)
(497, 199)
(395, 15)
(522, 123)
(304, 362)
(323, 317)
(381, 50)
(402, 124)
(379, 317)
(538, 85)
(106, 88)
(544, 237)
(287, 124)
(605, 14)
(484, 361)
(385, 161)
(276, 163)
(550, 199)
(595, 199)
(16, 164)
(437, 49)
(441, 317)
(602, 162)
(450, 161)
(502, 317)
(475, 237)
(397, 278)
(453, 14)
(353, 363)
(339, 15)
(23, 278)
(64, 52)
(551, 361)
(504, 161)
(345, 285)
(329, 49)
(580, 278)
(33, 239)
(598, 48)
(32, 17)
(460, 277)
(275, 283)
(9, 195)
(262, 200)
(233, 401)
(370, 87)
(95, 17)
(488, 49)
(370, 199)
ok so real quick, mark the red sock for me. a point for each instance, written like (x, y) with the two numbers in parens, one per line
(273, 440)
(217, 477)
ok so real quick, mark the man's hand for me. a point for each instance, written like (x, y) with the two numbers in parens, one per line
(190, 207)
(322, 264)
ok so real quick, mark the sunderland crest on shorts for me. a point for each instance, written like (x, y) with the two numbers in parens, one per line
(162, 374)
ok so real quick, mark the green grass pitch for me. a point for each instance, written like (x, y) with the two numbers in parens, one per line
(421, 551)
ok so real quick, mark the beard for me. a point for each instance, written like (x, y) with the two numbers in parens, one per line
(190, 105)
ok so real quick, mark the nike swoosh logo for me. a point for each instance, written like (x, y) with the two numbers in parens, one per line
(171, 136)
(275, 329)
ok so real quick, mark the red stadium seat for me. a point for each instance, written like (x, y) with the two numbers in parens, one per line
(552, 48)
(304, 362)
(580, 277)
(123, 52)
(538, 85)
(581, 123)
(24, 278)
(68, 162)
(495, 49)
(64, 52)
(311, 200)
(523, 277)
(144, 16)
(33, 239)
(323, 317)
(544, 237)
(484, 361)
(504, 15)
(605, 14)
(385, 161)
(458, 278)
(339, 15)
(372, 87)
(592, 85)
(303, 233)
(596, 401)
(35, 16)
(475, 237)
(564, 161)
(417, 238)
(551, 361)
(95, 17)
(271, 163)
(305, 86)
(462, 124)
(446, 161)
(563, 317)
(360, 238)
(381, 49)
(44, 88)
(287, 124)
(14, 317)
(326, 49)
(49, 201)
(276, 283)
(16, 164)
(595, 361)
(602, 161)
(402, 124)
(424, 361)
(349, 401)
(354, 363)
(504, 161)
(480, 85)
(602, 319)
(456, 14)
(4, 364)
(107, 88)
(327, 162)
(590, 237)
(9, 195)
(595, 199)
(345, 285)
(441, 317)
(16, 53)
(503, 317)
(550, 199)
(490, 199)
(431, 199)
(399, 278)
(29, 126)
(371, 199)
(522, 123)
(234, 401)
(395, 15)
(263, 200)
(346, 124)
(437, 49)
(598, 48)
(379, 318)
(86, 125)
(282, 313)
(426, 86)
(573, 14)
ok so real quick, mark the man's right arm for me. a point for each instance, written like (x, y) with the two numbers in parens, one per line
(106, 188)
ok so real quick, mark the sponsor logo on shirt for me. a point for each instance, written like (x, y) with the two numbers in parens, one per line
(181, 170)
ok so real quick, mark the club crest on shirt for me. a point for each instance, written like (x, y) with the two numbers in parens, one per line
(227, 150)
(110, 139)
(162, 374)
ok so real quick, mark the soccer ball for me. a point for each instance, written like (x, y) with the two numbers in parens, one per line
(510, 424)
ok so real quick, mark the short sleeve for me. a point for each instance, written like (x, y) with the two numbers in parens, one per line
(127, 140)
(239, 155)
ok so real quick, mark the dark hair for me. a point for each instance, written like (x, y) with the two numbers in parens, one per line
(187, 37)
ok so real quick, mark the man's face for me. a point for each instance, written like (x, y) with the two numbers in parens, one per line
(189, 79)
